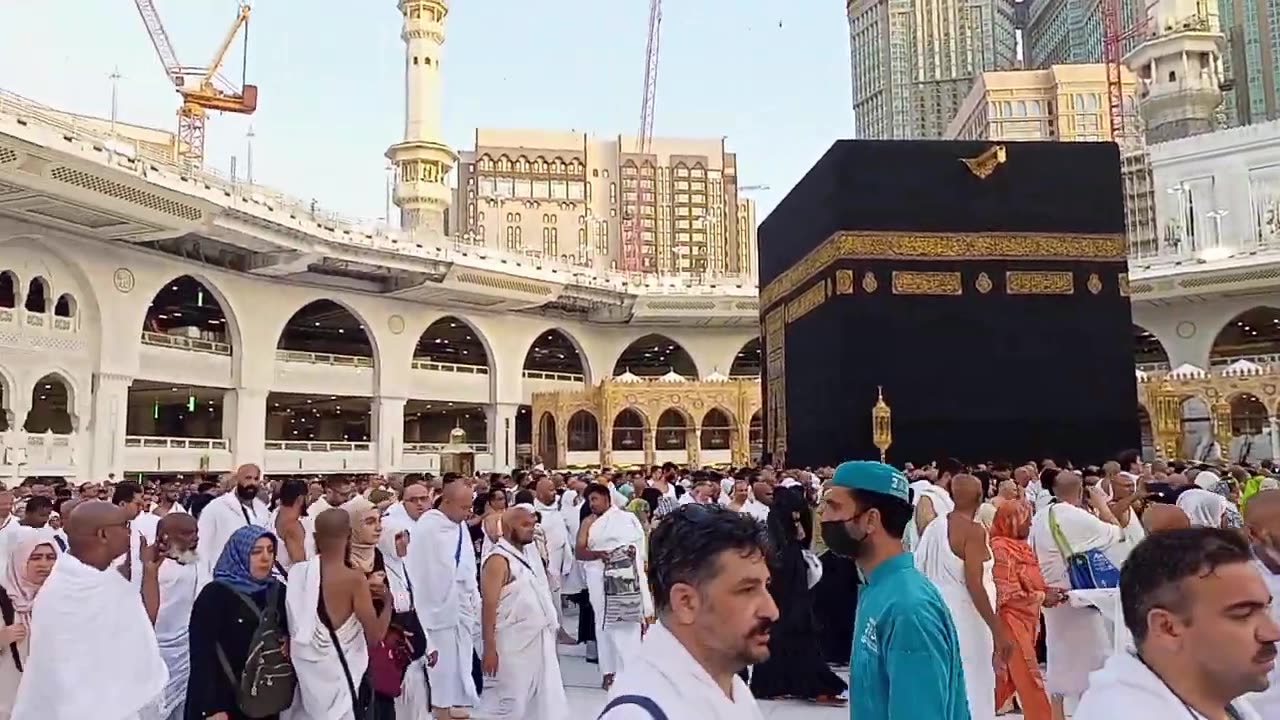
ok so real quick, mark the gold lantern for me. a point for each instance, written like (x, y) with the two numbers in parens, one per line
(881, 424)
(1167, 420)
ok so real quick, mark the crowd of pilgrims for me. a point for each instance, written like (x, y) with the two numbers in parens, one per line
(412, 597)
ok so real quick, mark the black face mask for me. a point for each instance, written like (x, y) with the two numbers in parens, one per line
(246, 492)
(838, 538)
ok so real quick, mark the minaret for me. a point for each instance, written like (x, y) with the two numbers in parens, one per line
(1179, 69)
(422, 161)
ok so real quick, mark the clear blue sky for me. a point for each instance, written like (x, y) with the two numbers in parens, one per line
(773, 77)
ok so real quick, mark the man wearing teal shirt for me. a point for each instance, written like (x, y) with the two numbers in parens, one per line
(906, 657)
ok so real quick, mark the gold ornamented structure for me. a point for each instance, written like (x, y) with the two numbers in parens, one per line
(935, 247)
(1162, 395)
(983, 284)
(737, 399)
(1038, 282)
(881, 424)
(983, 165)
(926, 283)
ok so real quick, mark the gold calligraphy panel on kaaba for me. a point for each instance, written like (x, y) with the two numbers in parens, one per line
(806, 302)
(844, 282)
(775, 339)
(942, 246)
(926, 283)
(1031, 282)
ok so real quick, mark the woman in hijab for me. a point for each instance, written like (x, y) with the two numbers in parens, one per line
(30, 563)
(365, 555)
(1020, 593)
(794, 668)
(225, 617)
(1229, 489)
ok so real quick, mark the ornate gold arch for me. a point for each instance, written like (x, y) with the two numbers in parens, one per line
(738, 398)
(1162, 394)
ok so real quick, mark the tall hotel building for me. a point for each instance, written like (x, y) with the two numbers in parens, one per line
(914, 61)
(569, 196)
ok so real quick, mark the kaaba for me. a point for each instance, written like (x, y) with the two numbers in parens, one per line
(981, 289)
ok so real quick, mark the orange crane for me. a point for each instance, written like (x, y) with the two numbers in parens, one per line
(632, 244)
(201, 89)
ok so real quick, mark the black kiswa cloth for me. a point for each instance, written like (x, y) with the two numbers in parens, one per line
(993, 311)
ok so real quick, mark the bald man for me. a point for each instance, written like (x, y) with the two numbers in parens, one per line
(93, 648)
(1076, 638)
(178, 582)
(954, 554)
(518, 626)
(232, 510)
(347, 597)
(442, 568)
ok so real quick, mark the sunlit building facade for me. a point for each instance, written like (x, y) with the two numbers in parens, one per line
(570, 196)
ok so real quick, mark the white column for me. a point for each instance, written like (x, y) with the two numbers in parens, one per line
(1275, 437)
(105, 432)
(502, 434)
(388, 433)
(244, 413)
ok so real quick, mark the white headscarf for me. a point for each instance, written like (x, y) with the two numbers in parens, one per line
(1206, 479)
(397, 575)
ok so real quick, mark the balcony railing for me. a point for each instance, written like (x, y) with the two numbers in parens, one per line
(561, 376)
(178, 342)
(174, 443)
(326, 446)
(431, 448)
(423, 364)
(298, 356)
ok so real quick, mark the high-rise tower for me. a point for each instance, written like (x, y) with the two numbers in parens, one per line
(422, 161)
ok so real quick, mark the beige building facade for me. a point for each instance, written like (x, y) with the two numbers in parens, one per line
(572, 196)
(1062, 102)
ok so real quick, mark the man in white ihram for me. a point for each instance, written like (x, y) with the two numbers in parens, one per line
(228, 512)
(442, 567)
(93, 650)
(518, 627)
(560, 560)
(179, 583)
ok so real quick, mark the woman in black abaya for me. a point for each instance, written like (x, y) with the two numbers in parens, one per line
(794, 668)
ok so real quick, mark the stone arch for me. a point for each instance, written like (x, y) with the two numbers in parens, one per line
(65, 306)
(455, 329)
(1148, 348)
(673, 426)
(68, 387)
(219, 297)
(556, 334)
(10, 290)
(548, 442)
(628, 429)
(8, 386)
(370, 336)
(59, 263)
(748, 360)
(38, 297)
(654, 355)
(716, 429)
(1251, 332)
(583, 433)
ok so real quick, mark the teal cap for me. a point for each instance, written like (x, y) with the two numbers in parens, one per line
(872, 476)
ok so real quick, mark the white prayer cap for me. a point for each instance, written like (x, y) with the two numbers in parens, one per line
(526, 506)
(789, 483)
(1206, 479)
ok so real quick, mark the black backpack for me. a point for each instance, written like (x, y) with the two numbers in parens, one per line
(266, 685)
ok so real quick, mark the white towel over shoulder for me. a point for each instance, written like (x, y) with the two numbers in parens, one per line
(323, 692)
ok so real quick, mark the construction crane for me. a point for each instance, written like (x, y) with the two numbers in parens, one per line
(1113, 40)
(632, 243)
(202, 89)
